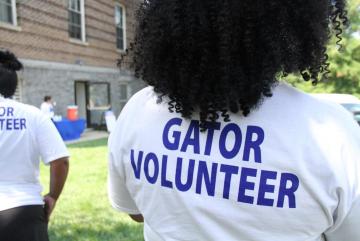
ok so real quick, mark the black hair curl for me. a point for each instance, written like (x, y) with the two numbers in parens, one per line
(221, 56)
(9, 64)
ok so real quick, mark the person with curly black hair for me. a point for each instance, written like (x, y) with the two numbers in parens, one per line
(26, 134)
(218, 147)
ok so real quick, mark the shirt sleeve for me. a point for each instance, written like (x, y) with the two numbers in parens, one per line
(119, 195)
(347, 215)
(51, 146)
(349, 229)
(119, 192)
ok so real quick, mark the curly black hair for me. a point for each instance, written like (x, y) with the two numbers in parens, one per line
(222, 56)
(9, 64)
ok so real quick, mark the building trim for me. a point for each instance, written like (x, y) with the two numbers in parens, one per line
(81, 12)
(77, 41)
(13, 22)
(9, 26)
(83, 26)
(29, 63)
(14, 14)
(124, 19)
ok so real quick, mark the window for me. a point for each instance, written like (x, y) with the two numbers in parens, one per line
(77, 19)
(98, 102)
(8, 11)
(99, 96)
(120, 21)
(18, 92)
(124, 94)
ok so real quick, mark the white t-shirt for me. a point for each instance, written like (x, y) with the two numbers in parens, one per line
(26, 134)
(47, 109)
(288, 172)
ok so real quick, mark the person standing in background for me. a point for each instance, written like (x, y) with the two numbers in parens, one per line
(218, 147)
(26, 135)
(47, 107)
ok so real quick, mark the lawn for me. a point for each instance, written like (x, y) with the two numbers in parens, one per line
(83, 212)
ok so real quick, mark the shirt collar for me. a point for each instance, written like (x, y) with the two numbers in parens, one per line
(2, 98)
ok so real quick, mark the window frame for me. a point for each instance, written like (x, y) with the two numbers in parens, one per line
(82, 20)
(19, 90)
(122, 6)
(123, 101)
(108, 90)
(13, 14)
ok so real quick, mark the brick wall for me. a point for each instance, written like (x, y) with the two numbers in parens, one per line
(43, 33)
(58, 81)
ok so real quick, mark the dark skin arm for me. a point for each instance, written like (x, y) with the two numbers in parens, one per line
(137, 218)
(58, 174)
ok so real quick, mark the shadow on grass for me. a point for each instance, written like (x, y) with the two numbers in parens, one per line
(117, 232)
(89, 144)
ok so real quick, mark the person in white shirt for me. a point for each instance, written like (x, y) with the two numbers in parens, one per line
(47, 107)
(26, 134)
(218, 147)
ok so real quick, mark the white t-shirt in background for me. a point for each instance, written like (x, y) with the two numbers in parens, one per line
(288, 172)
(26, 134)
(48, 109)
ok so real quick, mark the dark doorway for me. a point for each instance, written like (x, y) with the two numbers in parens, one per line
(92, 99)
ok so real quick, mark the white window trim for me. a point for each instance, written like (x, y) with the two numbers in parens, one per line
(18, 93)
(128, 92)
(124, 25)
(125, 84)
(14, 14)
(82, 8)
(83, 26)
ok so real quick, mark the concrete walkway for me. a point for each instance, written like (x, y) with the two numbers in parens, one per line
(90, 135)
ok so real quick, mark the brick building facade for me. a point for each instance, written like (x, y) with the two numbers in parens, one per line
(69, 49)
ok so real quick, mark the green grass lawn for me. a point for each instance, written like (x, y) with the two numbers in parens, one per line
(83, 212)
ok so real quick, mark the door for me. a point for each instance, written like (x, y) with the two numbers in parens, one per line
(92, 99)
(81, 98)
(98, 103)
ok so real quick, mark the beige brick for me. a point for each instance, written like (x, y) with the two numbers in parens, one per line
(44, 32)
